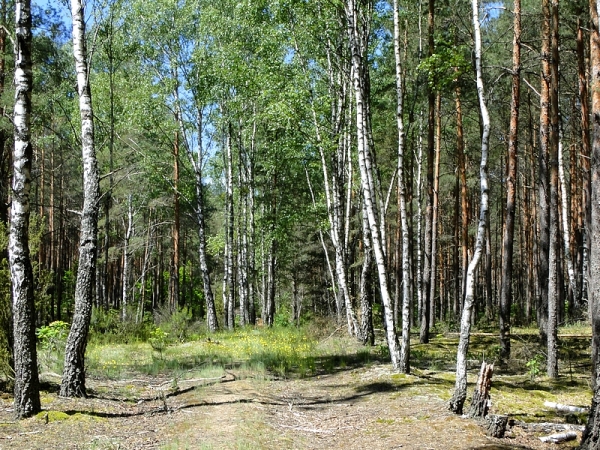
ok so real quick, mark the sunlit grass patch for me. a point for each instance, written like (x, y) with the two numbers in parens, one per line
(282, 351)
(521, 398)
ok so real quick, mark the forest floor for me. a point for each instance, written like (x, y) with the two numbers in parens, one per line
(355, 408)
(350, 402)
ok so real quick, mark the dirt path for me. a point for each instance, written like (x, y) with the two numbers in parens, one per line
(366, 408)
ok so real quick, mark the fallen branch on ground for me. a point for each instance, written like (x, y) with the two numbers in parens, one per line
(565, 408)
(559, 437)
(548, 426)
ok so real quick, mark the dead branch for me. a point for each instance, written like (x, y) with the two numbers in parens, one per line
(559, 437)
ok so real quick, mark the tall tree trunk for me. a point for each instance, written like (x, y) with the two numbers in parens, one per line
(127, 259)
(174, 277)
(593, 218)
(511, 189)
(566, 230)
(27, 395)
(5, 154)
(228, 289)
(460, 390)
(367, 333)
(404, 363)
(358, 35)
(554, 285)
(73, 382)
(428, 261)
(435, 213)
(197, 164)
(591, 435)
(585, 205)
(464, 200)
(543, 175)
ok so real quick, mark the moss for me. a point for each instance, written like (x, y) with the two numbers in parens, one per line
(52, 416)
(57, 416)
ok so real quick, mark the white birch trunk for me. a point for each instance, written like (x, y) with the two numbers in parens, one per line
(228, 294)
(73, 382)
(26, 390)
(367, 184)
(405, 343)
(127, 259)
(565, 220)
(460, 389)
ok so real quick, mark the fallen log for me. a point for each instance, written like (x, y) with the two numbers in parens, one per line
(565, 408)
(559, 437)
(548, 427)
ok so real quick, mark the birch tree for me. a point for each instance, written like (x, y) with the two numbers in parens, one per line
(73, 381)
(27, 396)
(405, 347)
(460, 389)
(357, 21)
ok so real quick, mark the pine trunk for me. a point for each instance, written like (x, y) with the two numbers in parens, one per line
(511, 190)
(428, 261)
(554, 275)
(544, 176)
(591, 435)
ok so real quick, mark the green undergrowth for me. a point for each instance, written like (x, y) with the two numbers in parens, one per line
(304, 352)
(282, 351)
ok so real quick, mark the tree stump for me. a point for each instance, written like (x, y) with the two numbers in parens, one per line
(495, 426)
(481, 396)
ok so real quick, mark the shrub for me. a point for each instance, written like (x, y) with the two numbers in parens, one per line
(177, 324)
(52, 339)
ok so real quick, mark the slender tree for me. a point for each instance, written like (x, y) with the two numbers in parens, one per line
(543, 175)
(73, 382)
(591, 435)
(405, 344)
(553, 254)
(428, 258)
(511, 189)
(357, 16)
(460, 390)
(27, 396)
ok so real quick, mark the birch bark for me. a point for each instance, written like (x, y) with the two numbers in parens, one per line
(357, 38)
(127, 259)
(460, 390)
(26, 391)
(197, 163)
(73, 381)
(404, 363)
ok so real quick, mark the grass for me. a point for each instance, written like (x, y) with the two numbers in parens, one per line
(290, 352)
(279, 351)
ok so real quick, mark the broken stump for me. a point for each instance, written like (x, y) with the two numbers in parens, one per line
(481, 396)
(495, 425)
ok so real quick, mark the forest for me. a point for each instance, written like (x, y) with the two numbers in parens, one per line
(394, 172)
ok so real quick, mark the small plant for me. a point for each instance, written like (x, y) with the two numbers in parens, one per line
(52, 340)
(534, 366)
(158, 340)
(384, 351)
